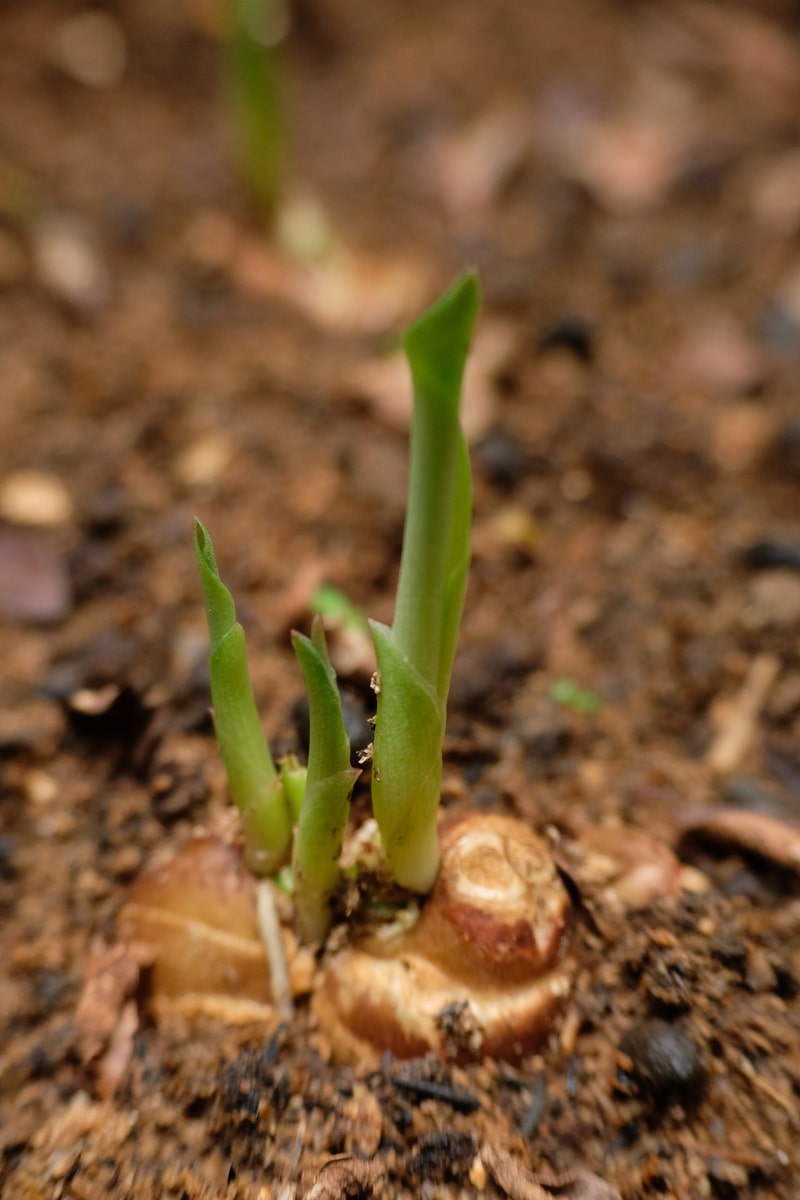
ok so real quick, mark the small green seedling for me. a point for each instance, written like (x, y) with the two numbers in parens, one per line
(255, 784)
(414, 656)
(571, 695)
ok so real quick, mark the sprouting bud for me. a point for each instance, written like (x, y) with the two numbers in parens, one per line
(481, 972)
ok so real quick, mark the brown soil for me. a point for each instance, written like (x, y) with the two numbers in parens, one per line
(626, 178)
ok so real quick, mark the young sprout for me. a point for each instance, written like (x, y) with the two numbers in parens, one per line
(255, 785)
(415, 659)
(415, 656)
(329, 782)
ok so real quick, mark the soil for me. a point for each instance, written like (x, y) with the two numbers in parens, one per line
(626, 177)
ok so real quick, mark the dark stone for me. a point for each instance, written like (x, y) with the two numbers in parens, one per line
(572, 333)
(664, 1059)
(503, 459)
(770, 553)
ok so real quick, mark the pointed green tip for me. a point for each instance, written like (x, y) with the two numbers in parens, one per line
(437, 343)
(204, 547)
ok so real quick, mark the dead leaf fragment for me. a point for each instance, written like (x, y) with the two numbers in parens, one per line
(623, 867)
(34, 584)
(69, 265)
(520, 1184)
(759, 833)
(90, 48)
(751, 47)
(345, 1177)
(739, 727)
(470, 167)
(719, 355)
(106, 1018)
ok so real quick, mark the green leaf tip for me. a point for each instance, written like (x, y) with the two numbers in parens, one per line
(253, 781)
(436, 344)
(220, 607)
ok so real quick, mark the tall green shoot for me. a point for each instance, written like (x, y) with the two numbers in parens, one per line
(415, 656)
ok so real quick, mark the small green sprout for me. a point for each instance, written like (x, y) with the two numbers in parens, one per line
(572, 695)
(333, 605)
(329, 782)
(255, 785)
(415, 660)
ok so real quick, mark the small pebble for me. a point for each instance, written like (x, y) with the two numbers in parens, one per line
(741, 436)
(503, 459)
(69, 266)
(779, 329)
(31, 497)
(90, 48)
(770, 553)
(664, 1057)
(718, 354)
(760, 974)
(773, 601)
(572, 333)
(205, 459)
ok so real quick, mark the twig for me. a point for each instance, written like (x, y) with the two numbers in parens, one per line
(731, 743)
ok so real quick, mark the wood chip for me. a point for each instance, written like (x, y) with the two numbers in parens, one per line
(734, 739)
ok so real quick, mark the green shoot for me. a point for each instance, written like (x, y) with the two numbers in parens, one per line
(333, 605)
(254, 782)
(329, 783)
(415, 656)
(254, 27)
(571, 695)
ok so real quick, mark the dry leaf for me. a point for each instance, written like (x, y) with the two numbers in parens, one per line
(105, 1019)
(719, 355)
(753, 48)
(520, 1184)
(112, 1066)
(345, 1177)
(622, 866)
(469, 168)
(759, 833)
